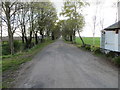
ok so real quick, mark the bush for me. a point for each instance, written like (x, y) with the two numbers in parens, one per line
(116, 60)
(17, 47)
(87, 47)
(111, 54)
(92, 48)
(79, 46)
(5, 48)
(96, 50)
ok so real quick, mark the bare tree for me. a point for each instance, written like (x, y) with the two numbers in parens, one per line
(10, 9)
(27, 19)
(115, 5)
(7, 9)
(101, 14)
(95, 18)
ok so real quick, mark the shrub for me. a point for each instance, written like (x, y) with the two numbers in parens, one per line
(5, 48)
(96, 50)
(79, 46)
(87, 47)
(92, 48)
(111, 54)
(117, 60)
(17, 45)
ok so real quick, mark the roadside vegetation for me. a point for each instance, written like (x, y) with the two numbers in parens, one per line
(11, 63)
(36, 26)
(74, 23)
(31, 21)
(112, 56)
(89, 41)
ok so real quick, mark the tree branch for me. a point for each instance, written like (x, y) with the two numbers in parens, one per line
(3, 7)
(4, 20)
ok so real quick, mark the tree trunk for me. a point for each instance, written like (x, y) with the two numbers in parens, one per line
(31, 29)
(11, 41)
(12, 45)
(36, 38)
(42, 36)
(71, 38)
(1, 28)
(26, 44)
(81, 38)
(10, 34)
(23, 30)
(30, 39)
(53, 38)
(48, 32)
(23, 38)
(74, 37)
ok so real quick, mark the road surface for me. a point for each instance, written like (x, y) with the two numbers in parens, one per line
(62, 65)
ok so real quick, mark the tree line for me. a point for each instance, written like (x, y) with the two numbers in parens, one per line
(33, 21)
(74, 21)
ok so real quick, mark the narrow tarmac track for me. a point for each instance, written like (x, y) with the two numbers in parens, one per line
(61, 65)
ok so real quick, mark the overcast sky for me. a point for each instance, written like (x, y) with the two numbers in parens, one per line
(107, 10)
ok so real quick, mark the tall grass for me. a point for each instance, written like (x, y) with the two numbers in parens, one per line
(18, 46)
(13, 62)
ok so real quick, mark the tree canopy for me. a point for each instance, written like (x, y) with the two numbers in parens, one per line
(33, 21)
(74, 22)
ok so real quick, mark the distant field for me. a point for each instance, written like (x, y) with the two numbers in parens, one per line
(89, 40)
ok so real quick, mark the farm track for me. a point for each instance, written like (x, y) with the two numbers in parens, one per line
(62, 65)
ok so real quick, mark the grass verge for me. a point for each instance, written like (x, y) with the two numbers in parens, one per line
(115, 60)
(11, 63)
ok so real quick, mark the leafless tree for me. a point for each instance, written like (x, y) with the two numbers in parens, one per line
(115, 5)
(95, 19)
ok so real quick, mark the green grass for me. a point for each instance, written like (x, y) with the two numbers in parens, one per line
(116, 60)
(89, 40)
(18, 46)
(13, 62)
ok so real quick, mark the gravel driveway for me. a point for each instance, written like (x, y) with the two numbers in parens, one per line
(61, 65)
